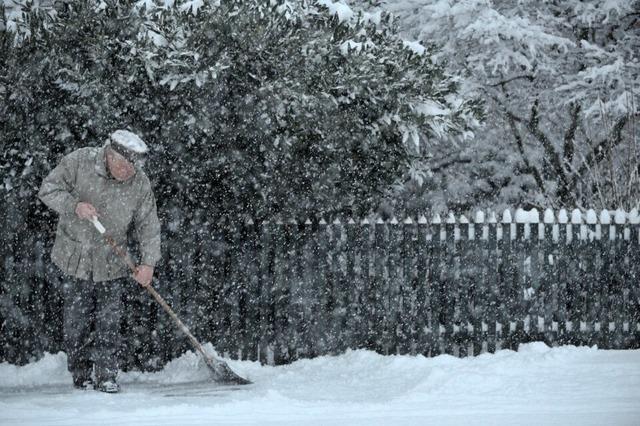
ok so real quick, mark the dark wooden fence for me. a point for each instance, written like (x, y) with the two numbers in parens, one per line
(431, 287)
(279, 291)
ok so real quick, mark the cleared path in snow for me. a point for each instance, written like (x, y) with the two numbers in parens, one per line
(535, 386)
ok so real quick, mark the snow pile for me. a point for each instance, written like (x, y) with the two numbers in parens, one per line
(536, 385)
(188, 368)
(50, 370)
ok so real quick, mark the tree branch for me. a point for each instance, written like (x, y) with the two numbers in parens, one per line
(512, 118)
(443, 164)
(530, 168)
(518, 77)
(569, 136)
(563, 192)
(599, 151)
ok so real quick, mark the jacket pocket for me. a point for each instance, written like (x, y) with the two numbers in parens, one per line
(66, 253)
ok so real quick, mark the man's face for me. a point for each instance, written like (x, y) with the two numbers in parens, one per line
(119, 167)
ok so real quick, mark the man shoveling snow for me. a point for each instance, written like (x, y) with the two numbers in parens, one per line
(106, 182)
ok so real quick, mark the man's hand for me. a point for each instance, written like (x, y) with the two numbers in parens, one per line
(144, 275)
(86, 211)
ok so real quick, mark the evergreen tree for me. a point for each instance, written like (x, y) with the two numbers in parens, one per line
(245, 102)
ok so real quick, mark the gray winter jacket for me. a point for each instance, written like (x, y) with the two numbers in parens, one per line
(79, 250)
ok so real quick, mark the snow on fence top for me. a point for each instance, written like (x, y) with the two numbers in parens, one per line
(575, 225)
(520, 216)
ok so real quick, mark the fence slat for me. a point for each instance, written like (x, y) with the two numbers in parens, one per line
(545, 290)
(250, 263)
(367, 241)
(353, 288)
(423, 318)
(479, 298)
(465, 282)
(449, 290)
(634, 295)
(394, 296)
(506, 286)
(626, 313)
(590, 258)
(563, 255)
(617, 290)
(438, 288)
(296, 290)
(522, 289)
(408, 286)
(264, 298)
(340, 294)
(493, 279)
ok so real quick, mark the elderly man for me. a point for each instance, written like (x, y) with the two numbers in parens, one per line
(108, 183)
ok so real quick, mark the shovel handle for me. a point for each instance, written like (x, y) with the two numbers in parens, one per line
(220, 369)
(119, 251)
(98, 225)
(123, 254)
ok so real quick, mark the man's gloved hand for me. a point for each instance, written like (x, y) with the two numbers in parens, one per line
(86, 211)
(144, 275)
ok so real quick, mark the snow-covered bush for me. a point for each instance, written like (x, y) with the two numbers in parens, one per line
(256, 108)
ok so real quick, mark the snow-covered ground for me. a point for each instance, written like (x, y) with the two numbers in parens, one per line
(535, 386)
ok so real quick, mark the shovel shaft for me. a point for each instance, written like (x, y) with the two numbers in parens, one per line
(194, 342)
(152, 291)
(219, 368)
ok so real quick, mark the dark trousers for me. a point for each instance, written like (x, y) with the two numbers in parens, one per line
(92, 312)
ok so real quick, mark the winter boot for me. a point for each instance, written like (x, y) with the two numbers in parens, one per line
(108, 386)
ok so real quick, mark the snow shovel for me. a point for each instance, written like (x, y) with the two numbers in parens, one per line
(219, 369)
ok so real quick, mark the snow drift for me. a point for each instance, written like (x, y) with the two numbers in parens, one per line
(536, 385)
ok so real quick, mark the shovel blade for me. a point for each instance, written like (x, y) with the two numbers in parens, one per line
(223, 374)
